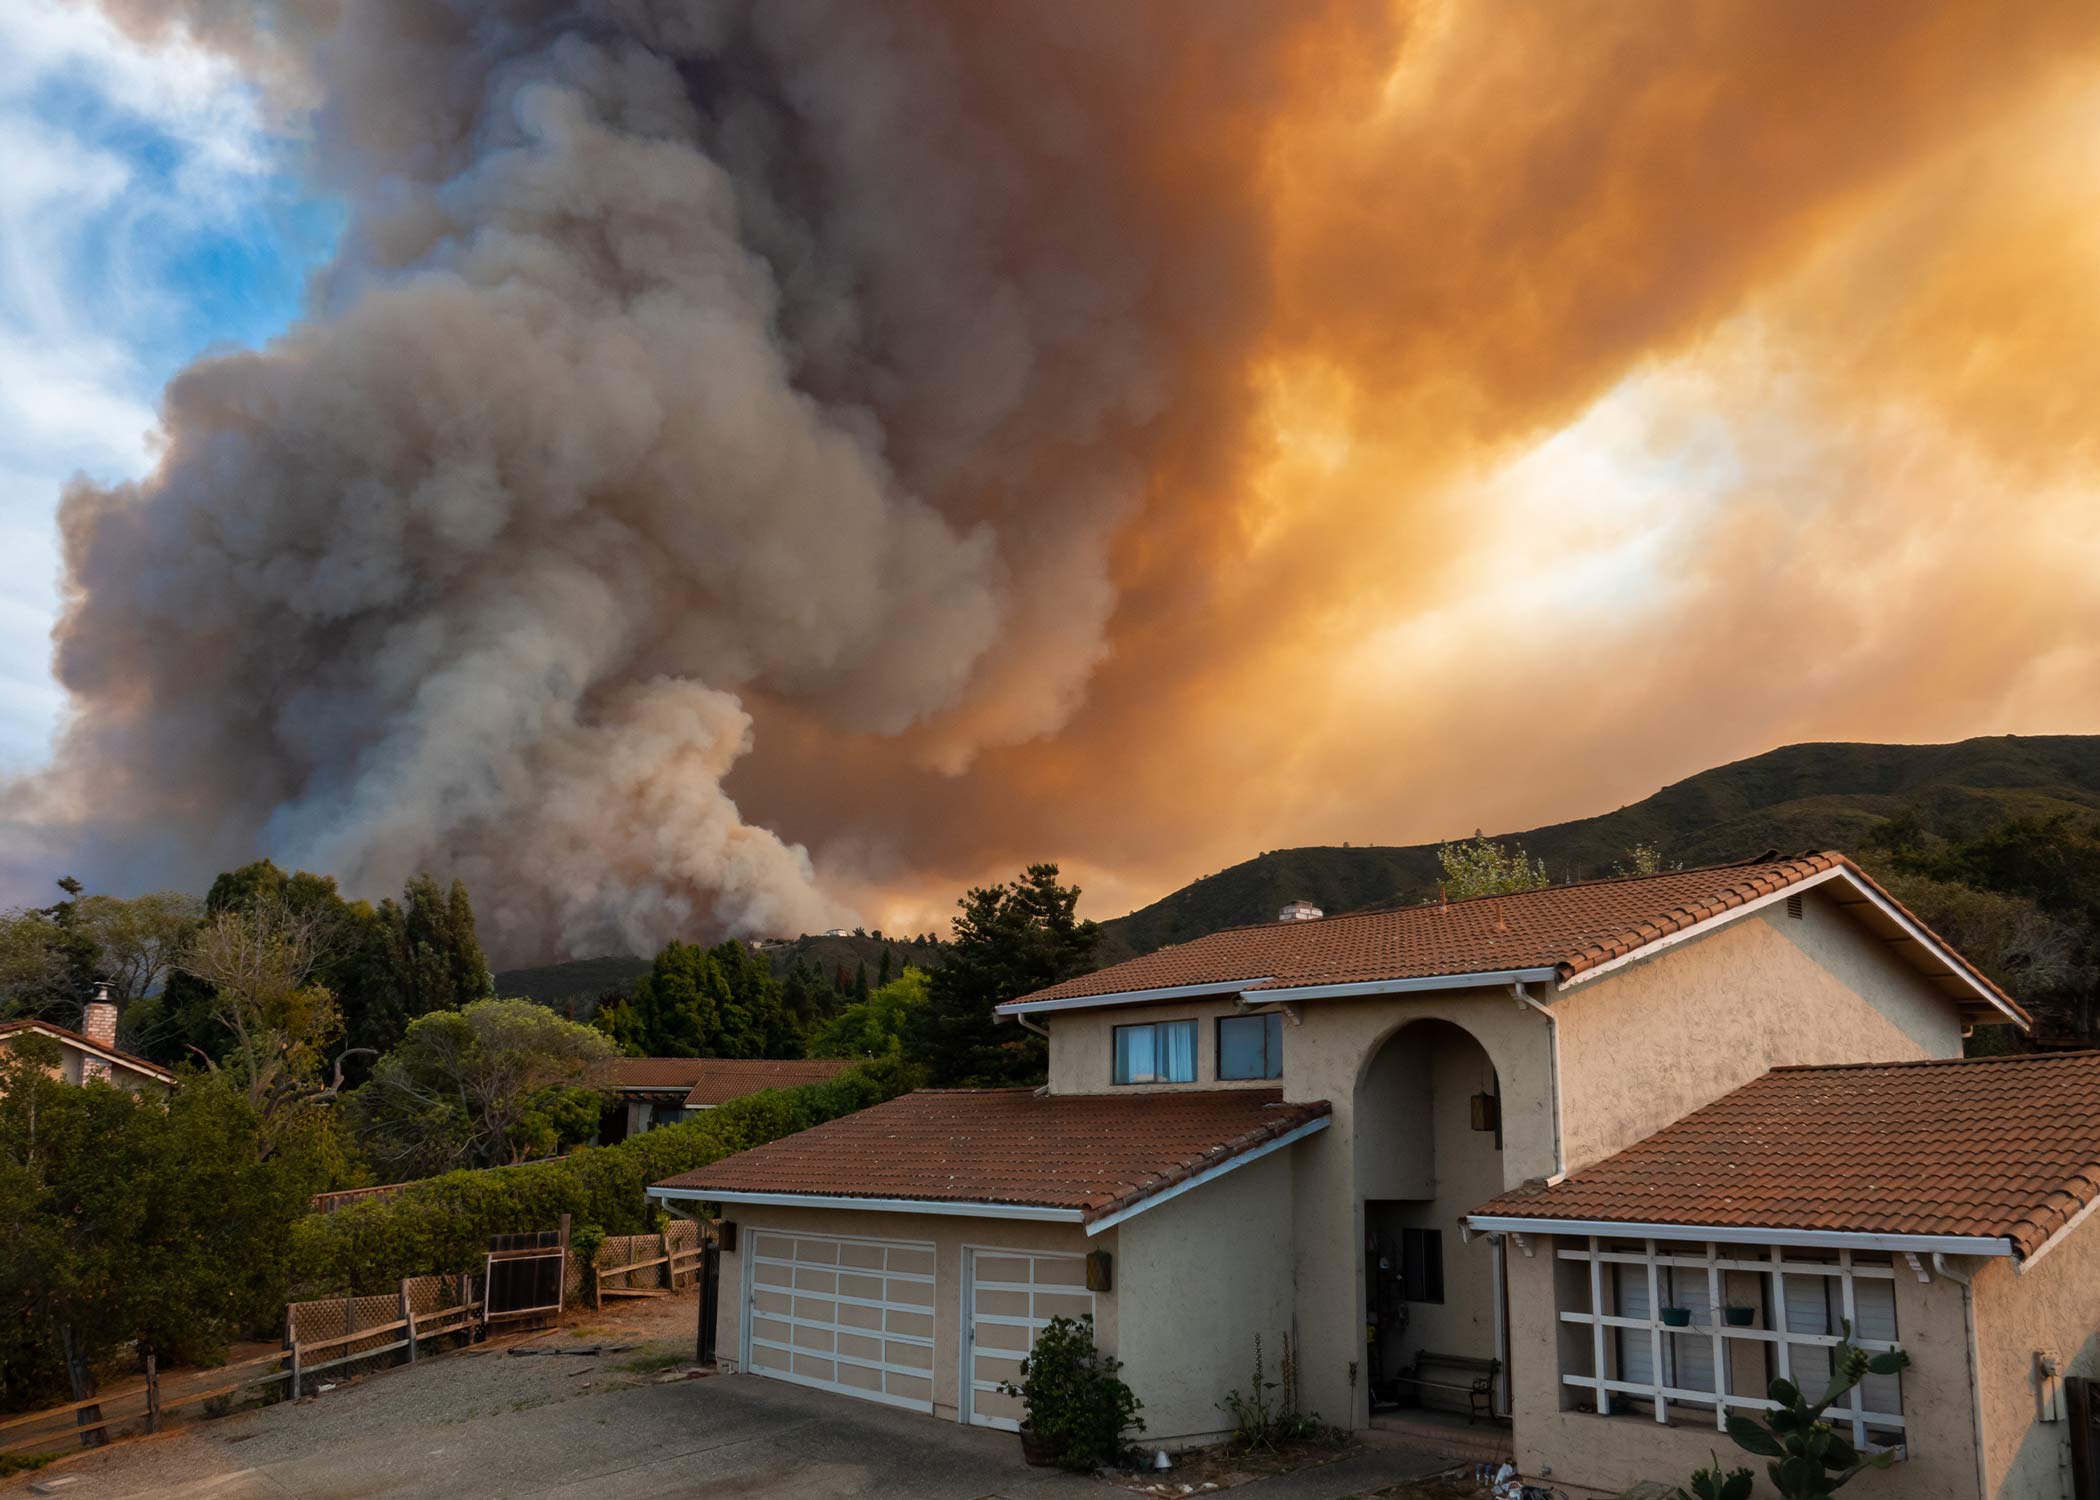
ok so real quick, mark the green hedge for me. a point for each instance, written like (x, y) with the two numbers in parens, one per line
(442, 1225)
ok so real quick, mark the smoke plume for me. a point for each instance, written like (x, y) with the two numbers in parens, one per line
(952, 433)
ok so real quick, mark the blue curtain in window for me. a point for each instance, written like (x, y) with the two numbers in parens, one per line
(1177, 1052)
(1134, 1054)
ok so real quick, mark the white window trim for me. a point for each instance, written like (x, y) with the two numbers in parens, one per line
(1735, 1234)
(1777, 1267)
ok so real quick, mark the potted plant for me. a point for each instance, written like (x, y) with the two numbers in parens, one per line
(1677, 1317)
(1738, 1316)
(1075, 1410)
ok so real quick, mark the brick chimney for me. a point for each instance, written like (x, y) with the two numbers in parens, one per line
(100, 1026)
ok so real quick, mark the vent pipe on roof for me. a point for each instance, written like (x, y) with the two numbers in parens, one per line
(1300, 911)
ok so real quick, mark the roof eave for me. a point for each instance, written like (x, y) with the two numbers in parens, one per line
(1739, 1234)
(1980, 999)
(943, 1206)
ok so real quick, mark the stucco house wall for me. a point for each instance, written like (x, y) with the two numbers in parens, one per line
(2054, 1305)
(1585, 1453)
(1647, 1044)
(1328, 1057)
(948, 1235)
(1196, 1280)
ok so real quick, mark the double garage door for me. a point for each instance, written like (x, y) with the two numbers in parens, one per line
(856, 1316)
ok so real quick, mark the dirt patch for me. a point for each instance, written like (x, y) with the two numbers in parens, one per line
(1207, 1470)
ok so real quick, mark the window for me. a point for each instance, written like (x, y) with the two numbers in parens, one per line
(1250, 1046)
(1163, 1052)
(1793, 1306)
(1422, 1265)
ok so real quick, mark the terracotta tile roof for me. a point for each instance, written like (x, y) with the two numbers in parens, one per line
(1097, 1153)
(2001, 1147)
(1567, 928)
(88, 1044)
(716, 1080)
(724, 1078)
(656, 1072)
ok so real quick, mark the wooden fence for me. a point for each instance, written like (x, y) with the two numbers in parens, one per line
(645, 1265)
(143, 1407)
(350, 1336)
(328, 1203)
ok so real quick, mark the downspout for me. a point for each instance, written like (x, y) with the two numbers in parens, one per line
(1968, 1311)
(1523, 997)
(1498, 1274)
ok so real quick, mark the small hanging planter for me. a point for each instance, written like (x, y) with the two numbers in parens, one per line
(1677, 1317)
(1739, 1317)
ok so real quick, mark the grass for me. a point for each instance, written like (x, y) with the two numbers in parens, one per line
(23, 1463)
(649, 1364)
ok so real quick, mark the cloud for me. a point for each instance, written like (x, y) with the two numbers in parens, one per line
(812, 458)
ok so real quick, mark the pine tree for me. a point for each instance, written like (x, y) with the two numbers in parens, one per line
(1009, 940)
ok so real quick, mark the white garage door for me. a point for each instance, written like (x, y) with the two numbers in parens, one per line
(1010, 1295)
(847, 1315)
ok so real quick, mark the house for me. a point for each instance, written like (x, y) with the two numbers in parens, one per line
(85, 1056)
(1348, 1129)
(655, 1091)
(1938, 1205)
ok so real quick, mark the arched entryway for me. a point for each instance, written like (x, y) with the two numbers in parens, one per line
(1428, 1149)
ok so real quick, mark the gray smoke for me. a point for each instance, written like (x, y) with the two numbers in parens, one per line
(677, 356)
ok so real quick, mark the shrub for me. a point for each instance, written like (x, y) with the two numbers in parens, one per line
(1072, 1397)
(1810, 1458)
(1259, 1422)
(442, 1225)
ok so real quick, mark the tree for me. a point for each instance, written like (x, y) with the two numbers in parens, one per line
(860, 983)
(1643, 859)
(710, 1002)
(876, 1026)
(259, 964)
(804, 992)
(1009, 940)
(500, 1081)
(882, 975)
(132, 1219)
(1482, 867)
(427, 958)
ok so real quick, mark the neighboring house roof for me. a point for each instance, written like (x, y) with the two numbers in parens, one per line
(1560, 933)
(724, 1078)
(1991, 1149)
(71, 1038)
(1083, 1158)
(656, 1072)
(708, 1081)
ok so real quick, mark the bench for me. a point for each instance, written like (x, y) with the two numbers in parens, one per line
(1465, 1375)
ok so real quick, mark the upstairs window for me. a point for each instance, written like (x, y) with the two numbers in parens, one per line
(1162, 1052)
(1250, 1046)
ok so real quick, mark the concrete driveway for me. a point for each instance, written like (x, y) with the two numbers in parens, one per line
(487, 1425)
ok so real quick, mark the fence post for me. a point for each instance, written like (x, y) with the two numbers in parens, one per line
(671, 1269)
(152, 1394)
(291, 1342)
(408, 1316)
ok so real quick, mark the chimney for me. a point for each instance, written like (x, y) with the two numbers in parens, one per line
(100, 1026)
(1300, 911)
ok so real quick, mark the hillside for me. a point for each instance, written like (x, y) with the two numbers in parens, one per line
(1798, 797)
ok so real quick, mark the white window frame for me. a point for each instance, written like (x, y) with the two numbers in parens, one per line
(1595, 1254)
(1115, 1052)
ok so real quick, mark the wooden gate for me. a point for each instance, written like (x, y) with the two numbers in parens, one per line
(525, 1274)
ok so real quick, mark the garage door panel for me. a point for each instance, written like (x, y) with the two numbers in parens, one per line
(908, 1324)
(1063, 1305)
(1013, 1295)
(854, 1323)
